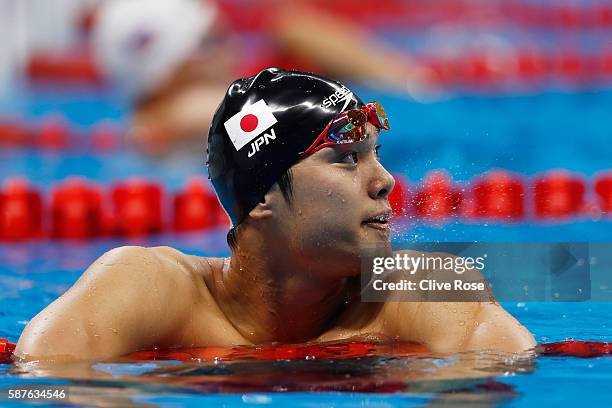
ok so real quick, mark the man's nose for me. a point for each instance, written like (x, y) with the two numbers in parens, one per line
(382, 182)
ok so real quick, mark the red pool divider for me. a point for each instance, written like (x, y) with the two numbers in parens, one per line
(399, 198)
(20, 211)
(80, 209)
(491, 68)
(603, 188)
(530, 65)
(53, 133)
(353, 349)
(138, 207)
(76, 210)
(411, 15)
(559, 195)
(289, 352)
(574, 348)
(438, 198)
(73, 67)
(499, 195)
(14, 132)
(6, 351)
(105, 136)
(197, 208)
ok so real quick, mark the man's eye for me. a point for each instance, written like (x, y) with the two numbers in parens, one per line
(351, 158)
(377, 152)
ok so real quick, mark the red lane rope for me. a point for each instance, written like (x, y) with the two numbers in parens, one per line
(289, 352)
(417, 14)
(575, 348)
(54, 133)
(476, 69)
(6, 351)
(80, 210)
(567, 348)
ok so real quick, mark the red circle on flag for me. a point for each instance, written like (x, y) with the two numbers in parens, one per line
(248, 123)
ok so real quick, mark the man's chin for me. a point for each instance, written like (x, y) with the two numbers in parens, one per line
(374, 233)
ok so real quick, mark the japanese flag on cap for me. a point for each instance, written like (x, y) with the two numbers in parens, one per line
(249, 123)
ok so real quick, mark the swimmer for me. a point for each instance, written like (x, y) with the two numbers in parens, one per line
(293, 158)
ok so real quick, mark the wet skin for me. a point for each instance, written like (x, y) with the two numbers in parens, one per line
(293, 278)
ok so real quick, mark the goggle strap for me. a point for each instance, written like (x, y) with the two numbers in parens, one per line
(311, 148)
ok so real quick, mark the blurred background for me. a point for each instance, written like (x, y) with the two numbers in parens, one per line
(500, 112)
(499, 109)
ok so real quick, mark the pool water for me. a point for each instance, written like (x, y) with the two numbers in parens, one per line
(465, 135)
(32, 275)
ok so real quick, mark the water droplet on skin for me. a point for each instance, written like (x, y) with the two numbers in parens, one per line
(115, 331)
(329, 193)
(299, 212)
(461, 323)
(97, 336)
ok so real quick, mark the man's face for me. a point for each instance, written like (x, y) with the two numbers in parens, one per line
(340, 203)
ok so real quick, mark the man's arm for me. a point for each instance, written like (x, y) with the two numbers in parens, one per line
(130, 298)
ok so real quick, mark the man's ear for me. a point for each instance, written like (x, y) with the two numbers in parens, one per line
(266, 207)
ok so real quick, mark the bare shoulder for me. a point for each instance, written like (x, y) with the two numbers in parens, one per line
(142, 273)
(163, 269)
(146, 295)
(453, 321)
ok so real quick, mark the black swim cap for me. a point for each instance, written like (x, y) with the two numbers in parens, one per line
(262, 125)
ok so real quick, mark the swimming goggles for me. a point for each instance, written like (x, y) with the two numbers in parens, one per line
(350, 127)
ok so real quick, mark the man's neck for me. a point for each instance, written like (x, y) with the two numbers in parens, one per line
(268, 299)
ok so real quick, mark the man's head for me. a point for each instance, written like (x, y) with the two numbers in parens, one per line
(265, 175)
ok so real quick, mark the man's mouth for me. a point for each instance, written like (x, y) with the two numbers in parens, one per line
(379, 221)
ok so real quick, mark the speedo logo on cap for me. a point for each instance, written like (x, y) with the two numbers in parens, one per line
(249, 123)
(342, 95)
